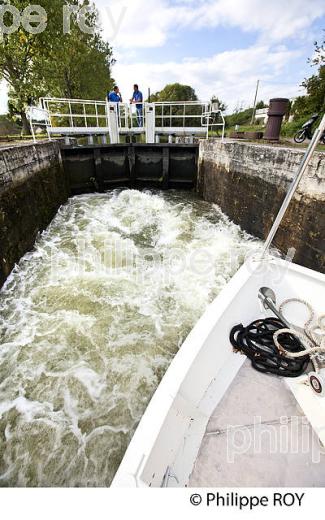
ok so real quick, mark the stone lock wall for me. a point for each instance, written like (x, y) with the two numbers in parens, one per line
(32, 188)
(249, 183)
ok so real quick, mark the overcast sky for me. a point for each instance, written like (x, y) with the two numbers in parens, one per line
(220, 47)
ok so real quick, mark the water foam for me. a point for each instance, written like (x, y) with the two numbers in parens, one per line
(88, 330)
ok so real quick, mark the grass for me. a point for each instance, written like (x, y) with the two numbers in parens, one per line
(246, 128)
(20, 137)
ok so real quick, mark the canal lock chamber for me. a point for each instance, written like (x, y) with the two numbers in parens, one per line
(121, 270)
(93, 314)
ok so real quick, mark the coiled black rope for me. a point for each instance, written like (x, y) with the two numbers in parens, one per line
(256, 342)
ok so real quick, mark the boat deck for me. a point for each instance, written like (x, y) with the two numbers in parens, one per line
(259, 437)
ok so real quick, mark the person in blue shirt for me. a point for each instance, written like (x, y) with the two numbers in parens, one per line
(138, 100)
(115, 95)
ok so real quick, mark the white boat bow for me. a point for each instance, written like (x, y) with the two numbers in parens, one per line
(165, 447)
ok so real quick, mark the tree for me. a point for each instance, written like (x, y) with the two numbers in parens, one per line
(76, 64)
(82, 63)
(243, 117)
(175, 92)
(19, 61)
(319, 56)
(314, 100)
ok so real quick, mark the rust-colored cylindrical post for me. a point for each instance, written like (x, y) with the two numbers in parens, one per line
(278, 109)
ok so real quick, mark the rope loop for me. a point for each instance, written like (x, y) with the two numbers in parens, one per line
(311, 338)
(276, 349)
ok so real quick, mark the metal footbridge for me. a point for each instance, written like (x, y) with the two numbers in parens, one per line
(180, 121)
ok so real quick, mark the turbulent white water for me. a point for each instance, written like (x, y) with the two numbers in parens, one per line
(90, 321)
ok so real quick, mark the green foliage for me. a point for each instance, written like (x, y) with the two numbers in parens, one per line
(7, 127)
(175, 92)
(243, 117)
(315, 87)
(82, 63)
(319, 56)
(248, 128)
(261, 105)
(314, 101)
(290, 129)
(239, 118)
(51, 63)
(301, 108)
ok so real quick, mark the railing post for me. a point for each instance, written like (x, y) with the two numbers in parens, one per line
(70, 113)
(47, 107)
(85, 115)
(113, 122)
(150, 117)
(32, 127)
(96, 109)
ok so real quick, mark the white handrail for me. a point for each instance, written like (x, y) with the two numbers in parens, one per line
(38, 117)
(180, 117)
(211, 120)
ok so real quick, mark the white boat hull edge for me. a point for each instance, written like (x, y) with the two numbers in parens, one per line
(170, 433)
